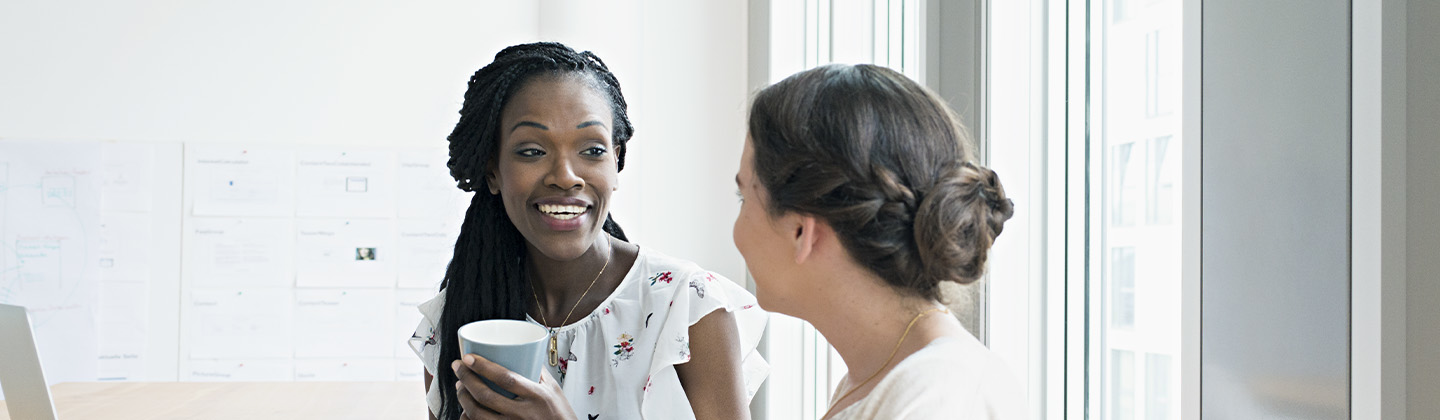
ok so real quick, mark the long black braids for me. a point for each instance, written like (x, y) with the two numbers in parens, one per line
(486, 279)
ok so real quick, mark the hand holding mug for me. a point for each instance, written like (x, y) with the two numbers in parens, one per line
(533, 400)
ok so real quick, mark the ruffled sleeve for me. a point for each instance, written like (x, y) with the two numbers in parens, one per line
(426, 344)
(698, 295)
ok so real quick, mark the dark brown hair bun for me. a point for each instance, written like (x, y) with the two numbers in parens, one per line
(959, 220)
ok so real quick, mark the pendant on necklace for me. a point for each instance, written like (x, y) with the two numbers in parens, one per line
(554, 355)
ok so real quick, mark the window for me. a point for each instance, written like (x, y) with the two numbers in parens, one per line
(1122, 288)
(1124, 186)
(1160, 208)
(1122, 386)
(1152, 74)
(1120, 9)
(1158, 398)
(1133, 241)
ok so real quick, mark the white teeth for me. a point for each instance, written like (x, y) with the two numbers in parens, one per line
(562, 212)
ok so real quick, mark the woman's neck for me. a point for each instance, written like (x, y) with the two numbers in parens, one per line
(560, 286)
(560, 283)
(875, 318)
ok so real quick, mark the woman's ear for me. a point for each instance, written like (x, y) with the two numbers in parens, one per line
(805, 236)
(492, 181)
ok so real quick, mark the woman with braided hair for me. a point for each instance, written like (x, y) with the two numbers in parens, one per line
(634, 333)
(859, 196)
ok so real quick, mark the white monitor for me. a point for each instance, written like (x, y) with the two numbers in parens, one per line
(26, 395)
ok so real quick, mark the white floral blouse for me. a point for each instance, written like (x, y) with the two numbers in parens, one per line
(619, 362)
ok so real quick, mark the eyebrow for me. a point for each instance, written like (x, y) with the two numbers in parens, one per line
(737, 180)
(529, 124)
(590, 123)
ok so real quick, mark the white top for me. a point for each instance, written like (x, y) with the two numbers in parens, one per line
(619, 362)
(950, 378)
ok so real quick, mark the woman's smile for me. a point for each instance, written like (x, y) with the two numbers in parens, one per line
(563, 214)
(556, 170)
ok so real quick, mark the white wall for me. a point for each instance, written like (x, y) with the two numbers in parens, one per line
(1423, 210)
(336, 73)
(692, 130)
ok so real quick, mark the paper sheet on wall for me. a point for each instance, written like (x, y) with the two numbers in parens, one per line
(244, 370)
(423, 250)
(345, 370)
(333, 323)
(237, 181)
(49, 246)
(125, 178)
(125, 242)
(123, 314)
(240, 324)
(124, 328)
(346, 184)
(345, 253)
(426, 189)
(239, 253)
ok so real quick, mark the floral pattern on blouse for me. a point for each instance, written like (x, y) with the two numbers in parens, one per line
(699, 288)
(623, 350)
(661, 277)
(565, 364)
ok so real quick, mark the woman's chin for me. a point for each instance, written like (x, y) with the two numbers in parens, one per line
(567, 250)
(769, 301)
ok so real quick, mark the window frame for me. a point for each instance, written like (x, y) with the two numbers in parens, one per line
(1067, 250)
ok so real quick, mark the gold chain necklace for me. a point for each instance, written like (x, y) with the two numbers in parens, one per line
(554, 358)
(887, 360)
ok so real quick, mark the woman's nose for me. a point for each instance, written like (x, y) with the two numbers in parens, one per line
(562, 175)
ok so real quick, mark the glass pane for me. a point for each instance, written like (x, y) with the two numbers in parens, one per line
(1158, 405)
(1122, 288)
(1134, 142)
(1122, 385)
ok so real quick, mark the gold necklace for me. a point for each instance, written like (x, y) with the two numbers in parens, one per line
(887, 360)
(554, 358)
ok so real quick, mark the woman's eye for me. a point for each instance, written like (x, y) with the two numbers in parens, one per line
(595, 152)
(530, 153)
(739, 196)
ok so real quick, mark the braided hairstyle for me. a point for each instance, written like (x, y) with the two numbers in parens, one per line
(887, 164)
(486, 278)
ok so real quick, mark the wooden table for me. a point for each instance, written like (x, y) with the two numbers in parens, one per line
(237, 400)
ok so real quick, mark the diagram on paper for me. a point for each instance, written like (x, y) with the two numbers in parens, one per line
(49, 253)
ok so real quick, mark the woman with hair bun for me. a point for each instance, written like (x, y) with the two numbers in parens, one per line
(859, 196)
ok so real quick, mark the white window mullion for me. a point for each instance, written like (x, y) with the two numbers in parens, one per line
(1074, 185)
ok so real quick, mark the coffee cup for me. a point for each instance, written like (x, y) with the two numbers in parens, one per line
(517, 345)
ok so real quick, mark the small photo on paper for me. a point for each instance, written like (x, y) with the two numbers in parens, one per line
(357, 184)
(364, 254)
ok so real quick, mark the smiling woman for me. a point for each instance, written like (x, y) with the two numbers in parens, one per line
(553, 181)
(632, 333)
